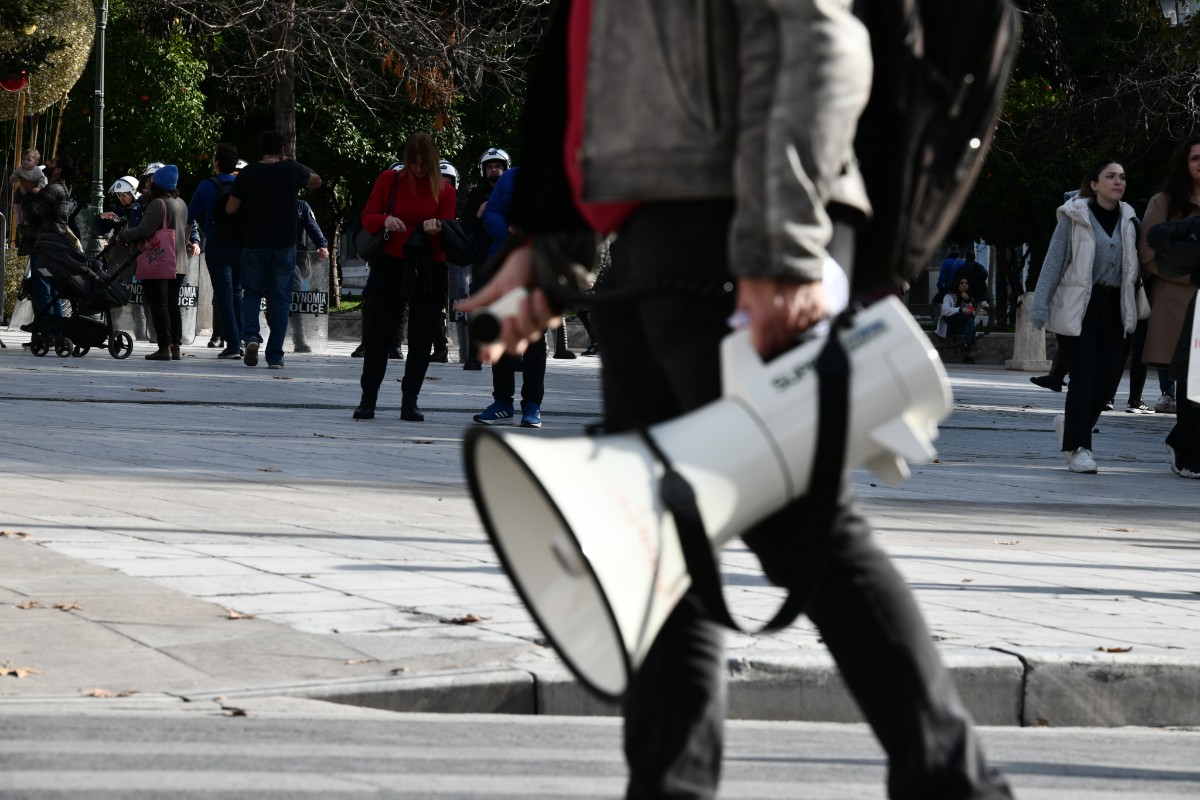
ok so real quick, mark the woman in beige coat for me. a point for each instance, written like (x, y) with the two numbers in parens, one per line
(1178, 198)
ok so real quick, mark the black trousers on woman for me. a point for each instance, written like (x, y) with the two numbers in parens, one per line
(661, 360)
(162, 298)
(1096, 361)
(391, 291)
(1184, 438)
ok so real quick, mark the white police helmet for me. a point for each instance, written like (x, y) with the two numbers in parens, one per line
(152, 167)
(125, 185)
(239, 166)
(493, 154)
(448, 171)
(396, 166)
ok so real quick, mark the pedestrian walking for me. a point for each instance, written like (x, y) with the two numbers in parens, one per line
(1086, 295)
(265, 195)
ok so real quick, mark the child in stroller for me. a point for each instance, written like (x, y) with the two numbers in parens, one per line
(93, 290)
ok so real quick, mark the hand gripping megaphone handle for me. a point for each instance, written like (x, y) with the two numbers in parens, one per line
(833, 401)
(486, 322)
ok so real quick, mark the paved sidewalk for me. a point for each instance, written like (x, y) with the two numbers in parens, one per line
(150, 500)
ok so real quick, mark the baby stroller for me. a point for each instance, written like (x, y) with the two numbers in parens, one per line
(93, 290)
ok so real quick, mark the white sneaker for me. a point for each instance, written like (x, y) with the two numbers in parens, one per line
(1060, 422)
(1165, 405)
(1182, 472)
(1081, 461)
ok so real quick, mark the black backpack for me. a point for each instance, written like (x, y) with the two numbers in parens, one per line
(941, 68)
(227, 229)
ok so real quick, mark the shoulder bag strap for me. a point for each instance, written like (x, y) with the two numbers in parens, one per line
(833, 395)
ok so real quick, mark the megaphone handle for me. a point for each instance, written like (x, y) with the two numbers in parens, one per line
(833, 400)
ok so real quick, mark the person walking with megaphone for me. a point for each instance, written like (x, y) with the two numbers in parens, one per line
(724, 178)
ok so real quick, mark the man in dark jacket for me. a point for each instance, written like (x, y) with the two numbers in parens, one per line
(728, 171)
(45, 213)
(492, 164)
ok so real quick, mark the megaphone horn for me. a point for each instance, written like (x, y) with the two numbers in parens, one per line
(601, 569)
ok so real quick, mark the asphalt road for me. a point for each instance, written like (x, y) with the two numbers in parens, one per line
(293, 748)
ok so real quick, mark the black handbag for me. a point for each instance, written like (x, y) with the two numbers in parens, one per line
(455, 243)
(369, 246)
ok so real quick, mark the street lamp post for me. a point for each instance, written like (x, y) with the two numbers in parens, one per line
(96, 205)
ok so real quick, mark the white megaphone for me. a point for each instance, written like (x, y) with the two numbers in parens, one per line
(581, 528)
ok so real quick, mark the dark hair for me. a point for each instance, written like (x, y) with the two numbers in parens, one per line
(1178, 184)
(67, 165)
(272, 143)
(1085, 188)
(227, 157)
(157, 191)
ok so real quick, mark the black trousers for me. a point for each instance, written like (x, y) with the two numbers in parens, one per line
(1096, 359)
(660, 360)
(533, 374)
(388, 302)
(162, 297)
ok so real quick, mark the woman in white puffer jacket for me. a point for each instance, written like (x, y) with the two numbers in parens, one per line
(1086, 295)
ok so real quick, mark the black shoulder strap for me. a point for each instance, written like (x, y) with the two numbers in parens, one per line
(833, 396)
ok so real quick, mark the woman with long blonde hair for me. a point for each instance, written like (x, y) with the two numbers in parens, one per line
(409, 202)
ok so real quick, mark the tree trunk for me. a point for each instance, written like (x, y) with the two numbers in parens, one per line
(335, 252)
(285, 79)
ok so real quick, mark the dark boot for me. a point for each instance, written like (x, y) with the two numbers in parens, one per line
(163, 353)
(409, 411)
(366, 406)
(175, 354)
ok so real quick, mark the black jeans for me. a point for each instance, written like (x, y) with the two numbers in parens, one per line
(162, 298)
(533, 375)
(1096, 359)
(660, 360)
(383, 325)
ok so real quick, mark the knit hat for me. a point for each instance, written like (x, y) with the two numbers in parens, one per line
(167, 177)
(33, 175)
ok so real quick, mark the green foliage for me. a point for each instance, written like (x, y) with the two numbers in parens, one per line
(13, 275)
(1097, 79)
(155, 109)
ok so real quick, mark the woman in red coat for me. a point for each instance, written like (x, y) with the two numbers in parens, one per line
(409, 202)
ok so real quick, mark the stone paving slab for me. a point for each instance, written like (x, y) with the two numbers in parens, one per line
(1054, 597)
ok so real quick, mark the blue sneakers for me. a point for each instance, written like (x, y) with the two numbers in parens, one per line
(531, 414)
(496, 412)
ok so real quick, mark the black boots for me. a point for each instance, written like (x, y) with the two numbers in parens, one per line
(409, 411)
(408, 408)
(366, 406)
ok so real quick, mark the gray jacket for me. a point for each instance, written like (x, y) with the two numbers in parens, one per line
(747, 99)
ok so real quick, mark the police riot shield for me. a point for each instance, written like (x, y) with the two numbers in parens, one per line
(308, 324)
(131, 317)
(189, 294)
(308, 320)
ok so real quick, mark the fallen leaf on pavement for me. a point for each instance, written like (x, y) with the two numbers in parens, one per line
(28, 604)
(69, 607)
(422, 441)
(237, 614)
(99, 693)
(280, 378)
(12, 534)
(353, 661)
(147, 390)
(1014, 541)
(307, 576)
(968, 580)
(1122, 530)
(235, 712)
(397, 671)
(268, 469)
(467, 620)
(9, 671)
(1115, 649)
